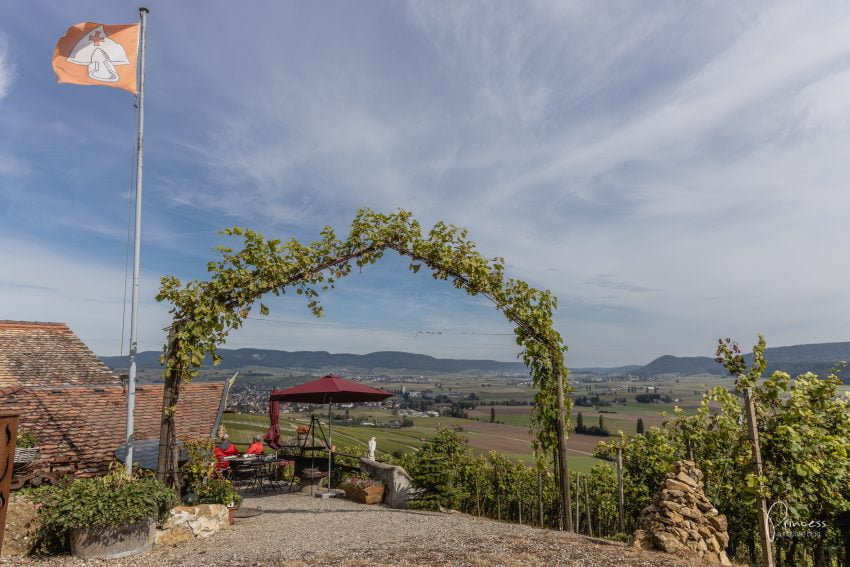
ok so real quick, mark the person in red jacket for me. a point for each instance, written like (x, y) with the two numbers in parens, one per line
(224, 449)
(257, 447)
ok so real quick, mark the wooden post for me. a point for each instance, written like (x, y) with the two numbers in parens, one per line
(587, 508)
(170, 394)
(540, 496)
(566, 505)
(764, 530)
(599, 521)
(620, 498)
(556, 469)
(578, 502)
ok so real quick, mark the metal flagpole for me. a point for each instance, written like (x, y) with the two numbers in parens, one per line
(134, 309)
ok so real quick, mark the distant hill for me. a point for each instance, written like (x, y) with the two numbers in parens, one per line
(684, 365)
(316, 360)
(628, 369)
(818, 358)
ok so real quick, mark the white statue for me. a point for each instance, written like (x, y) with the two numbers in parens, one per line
(372, 445)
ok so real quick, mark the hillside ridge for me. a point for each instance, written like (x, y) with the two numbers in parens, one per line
(819, 358)
(314, 360)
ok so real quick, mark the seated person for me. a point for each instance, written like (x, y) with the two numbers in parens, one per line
(257, 447)
(224, 449)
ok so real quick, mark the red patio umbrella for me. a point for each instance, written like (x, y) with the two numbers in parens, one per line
(329, 390)
(272, 436)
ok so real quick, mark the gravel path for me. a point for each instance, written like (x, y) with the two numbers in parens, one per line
(297, 530)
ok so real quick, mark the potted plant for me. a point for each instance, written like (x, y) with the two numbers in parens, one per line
(219, 490)
(108, 517)
(364, 490)
(204, 482)
(25, 440)
(301, 434)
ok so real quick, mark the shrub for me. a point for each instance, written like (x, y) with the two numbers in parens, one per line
(435, 470)
(361, 482)
(435, 482)
(218, 490)
(202, 479)
(201, 465)
(25, 439)
(110, 501)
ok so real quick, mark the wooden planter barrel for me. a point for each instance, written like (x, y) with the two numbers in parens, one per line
(368, 495)
(112, 542)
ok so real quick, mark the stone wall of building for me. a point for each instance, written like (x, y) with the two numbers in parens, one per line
(682, 520)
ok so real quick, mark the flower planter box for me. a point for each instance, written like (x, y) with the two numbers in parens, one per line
(112, 542)
(368, 495)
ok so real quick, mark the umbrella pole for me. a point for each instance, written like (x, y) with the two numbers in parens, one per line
(330, 446)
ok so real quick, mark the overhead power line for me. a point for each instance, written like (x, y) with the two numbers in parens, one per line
(418, 332)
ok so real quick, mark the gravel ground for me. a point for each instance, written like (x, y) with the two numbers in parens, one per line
(297, 530)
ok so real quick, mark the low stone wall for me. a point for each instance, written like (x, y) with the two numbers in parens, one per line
(183, 524)
(682, 520)
(187, 522)
(395, 479)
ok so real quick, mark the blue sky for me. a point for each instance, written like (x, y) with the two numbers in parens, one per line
(673, 172)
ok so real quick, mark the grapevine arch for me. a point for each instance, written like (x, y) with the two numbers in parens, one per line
(204, 312)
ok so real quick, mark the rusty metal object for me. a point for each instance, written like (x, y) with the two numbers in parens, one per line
(8, 433)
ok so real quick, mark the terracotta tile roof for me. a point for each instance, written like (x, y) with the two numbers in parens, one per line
(77, 407)
(79, 427)
(40, 354)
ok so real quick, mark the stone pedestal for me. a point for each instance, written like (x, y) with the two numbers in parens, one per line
(395, 479)
(311, 480)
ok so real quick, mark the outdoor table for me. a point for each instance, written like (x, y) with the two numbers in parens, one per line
(303, 461)
(304, 447)
(254, 470)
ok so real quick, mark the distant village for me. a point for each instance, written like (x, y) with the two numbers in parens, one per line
(250, 397)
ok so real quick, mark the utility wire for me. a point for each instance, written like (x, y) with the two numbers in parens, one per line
(462, 333)
(419, 332)
(293, 322)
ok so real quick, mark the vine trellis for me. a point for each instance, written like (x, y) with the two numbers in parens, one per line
(204, 312)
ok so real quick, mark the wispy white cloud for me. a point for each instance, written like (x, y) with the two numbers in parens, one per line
(11, 167)
(636, 151)
(7, 69)
(41, 283)
(673, 174)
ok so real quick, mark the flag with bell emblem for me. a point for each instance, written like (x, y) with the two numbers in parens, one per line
(98, 54)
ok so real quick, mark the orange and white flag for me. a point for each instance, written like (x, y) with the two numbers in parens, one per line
(98, 54)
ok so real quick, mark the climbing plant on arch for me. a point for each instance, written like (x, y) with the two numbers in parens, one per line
(204, 312)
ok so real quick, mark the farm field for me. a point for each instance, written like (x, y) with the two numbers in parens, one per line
(511, 440)
(509, 435)
(616, 417)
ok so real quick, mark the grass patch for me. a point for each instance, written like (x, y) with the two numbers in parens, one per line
(583, 463)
